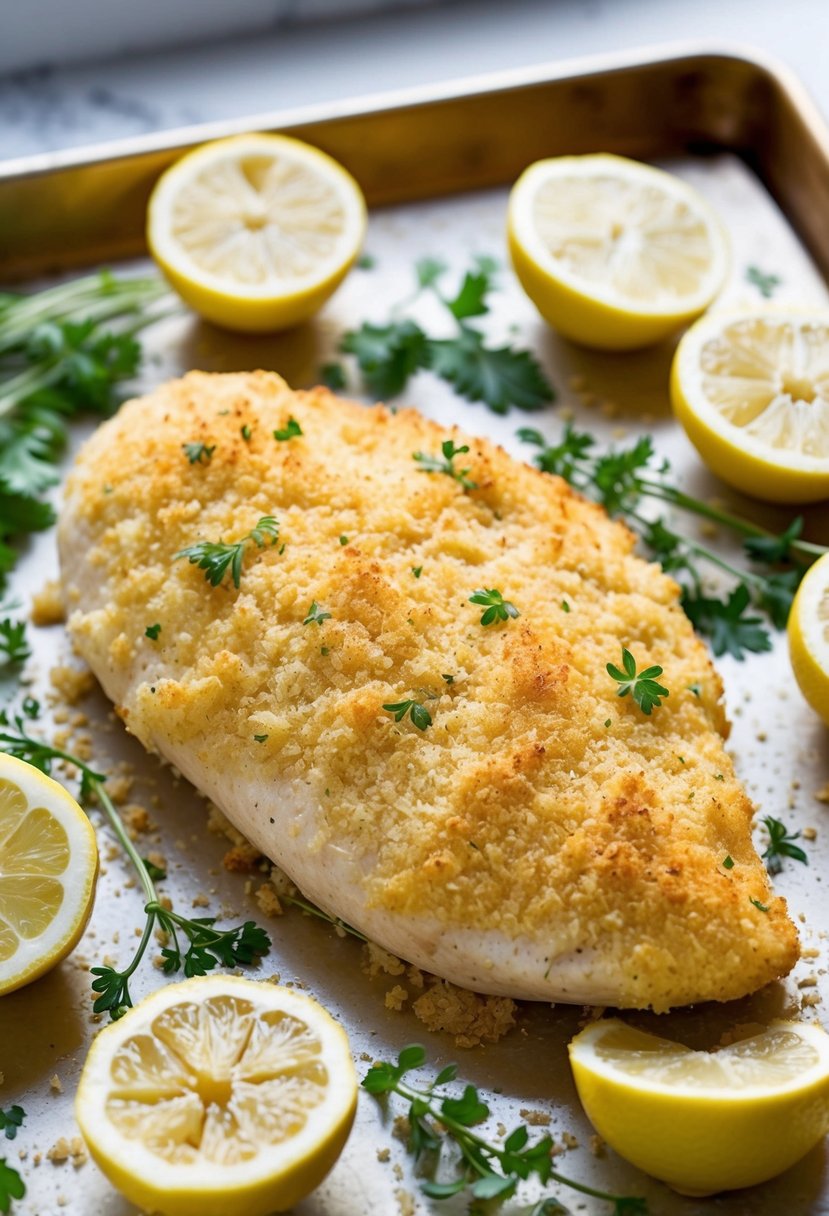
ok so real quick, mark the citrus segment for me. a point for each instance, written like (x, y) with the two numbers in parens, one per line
(809, 637)
(752, 392)
(48, 868)
(615, 254)
(218, 1096)
(255, 232)
(705, 1121)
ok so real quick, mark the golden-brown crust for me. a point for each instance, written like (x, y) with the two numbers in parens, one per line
(520, 808)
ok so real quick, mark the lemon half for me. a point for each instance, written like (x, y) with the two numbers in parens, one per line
(218, 1096)
(751, 390)
(48, 869)
(705, 1121)
(255, 232)
(614, 254)
(809, 637)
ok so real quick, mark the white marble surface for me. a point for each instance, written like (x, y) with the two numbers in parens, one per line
(46, 108)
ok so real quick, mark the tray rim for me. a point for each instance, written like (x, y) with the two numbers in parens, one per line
(783, 78)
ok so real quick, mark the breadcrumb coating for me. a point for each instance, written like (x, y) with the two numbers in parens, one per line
(539, 810)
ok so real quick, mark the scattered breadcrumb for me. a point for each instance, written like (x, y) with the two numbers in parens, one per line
(597, 1146)
(471, 1018)
(268, 900)
(569, 1140)
(73, 1150)
(137, 820)
(401, 1128)
(157, 859)
(822, 794)
(810, 952)
(119, 788)
(47, 605)
(56, 1085)
(396, 997)
(200, 900)
(72, 683)
(810, 833)
(810, 1000)
(383, 1154)
(405, 1202)
(397, 1170)
(377, 960)
(242, 859)
(536, 1118)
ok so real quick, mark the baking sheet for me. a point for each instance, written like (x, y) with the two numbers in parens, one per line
(780, 749)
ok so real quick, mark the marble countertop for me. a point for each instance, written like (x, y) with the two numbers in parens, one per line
(288, 64)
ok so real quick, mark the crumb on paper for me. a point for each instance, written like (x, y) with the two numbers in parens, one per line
(47, 605)
(405, 1202)
(200, 900)
(810, 952)
(157, 859)
(56, 1085)
(268, 900)
(401, 1128)
(396, 997)
(597, 1146)
(242, 859)
(383, 1155)
(569, 1140)
(810, 833)
(809, 1000)
(71, 683)
(137, 820)
(822, 794)
(535, 1118)
(119, 788)
(376, 960)
(470, 1017)
(64, 1150)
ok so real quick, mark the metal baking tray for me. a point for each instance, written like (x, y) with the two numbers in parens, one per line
(435, 165)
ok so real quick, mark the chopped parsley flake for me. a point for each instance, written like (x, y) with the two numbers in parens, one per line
(289, 431)
(728, 862)
(418, 713)
(199, 453)
(496, 608)
(152, 632)
(316, 615)
(417, 571)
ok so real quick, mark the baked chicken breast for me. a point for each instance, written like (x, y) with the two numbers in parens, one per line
(521, 829)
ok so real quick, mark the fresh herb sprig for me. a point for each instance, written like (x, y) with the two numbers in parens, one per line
(623, 479)
(439, 1118)
(496, 608)
(291, 430)
(418, 713)
(641, 685)
(14, 649)
(215, 558)
(446, 463)
(63, 352)
(781, 844)
(207, 947)
(499, 376)
(12, 1186)
(11, 1120)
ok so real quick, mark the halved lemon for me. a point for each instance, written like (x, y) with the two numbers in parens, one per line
(218, 1096)
(48, 868)
(705, 1121)
(255, 232)
(613, 253)
(751, 390)
(809, 637)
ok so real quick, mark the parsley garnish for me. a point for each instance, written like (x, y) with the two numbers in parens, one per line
(434, 464)
(333, 376)
(485, 1170)
(152, 632)
(496, 607)
(642, 685)
(765, 283)
(11, 1120)
(198, 453)
(156, 873)
(316, 615)
(728, 862)
(622, 480)
(290, 431)
(781, 844)
(418, 713)
(417, 571)
(758, 905)
(260, 738)
(499, 376)
(216, 557)
(246, 433)
(14, 649)
(12, 1186)
(366, 261)
(206, 945)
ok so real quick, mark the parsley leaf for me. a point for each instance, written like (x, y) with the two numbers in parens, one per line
(11, 1120)
(642, 685)
(781, 844)
(774, 549)
(499, 376)
(216, 557)
(332, 376)
(496, 608)
(14, 649)
(562, 458)
(434, 464)
(429, 270)
(152, 632)
(725, 623)
(417, 712)
(315, 615)
(290, 431)
(12, 1186)
(198, 453)
(387, 355)
(471, 298)
(765, 283)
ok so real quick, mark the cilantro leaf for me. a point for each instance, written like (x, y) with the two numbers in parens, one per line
(387, 355)
(725, 623)
(471, 298)
(617, 475)
(642, 685)
(11, 1186)
(498, 376)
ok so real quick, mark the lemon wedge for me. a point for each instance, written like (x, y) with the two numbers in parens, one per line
(218, 1096)
(751, 390)
(705, 1121)
(809, 637)
(48, 869)
(255, 232)
(613, 253)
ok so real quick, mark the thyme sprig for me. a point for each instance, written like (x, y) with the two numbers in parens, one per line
(207, 946)
(439, 1118)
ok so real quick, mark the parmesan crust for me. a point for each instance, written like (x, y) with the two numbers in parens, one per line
(520, 845)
